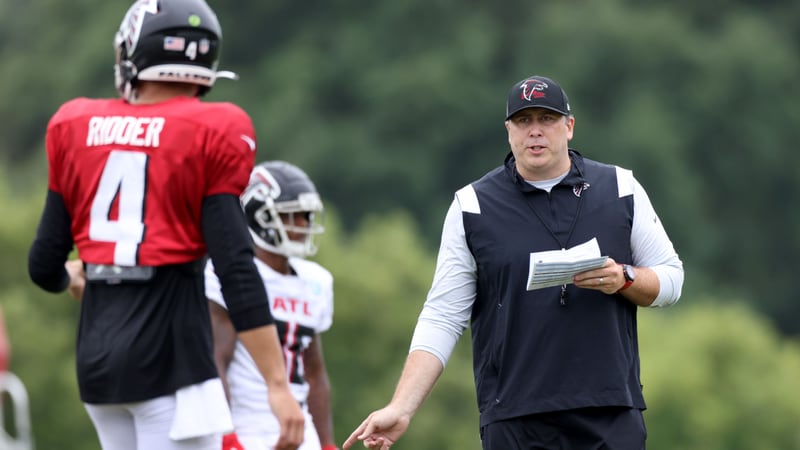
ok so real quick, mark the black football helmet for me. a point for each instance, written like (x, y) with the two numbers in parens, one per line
(279, 188)
(168, 40)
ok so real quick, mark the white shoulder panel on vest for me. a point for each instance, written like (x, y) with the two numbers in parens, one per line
(468, 200)
(625, 182)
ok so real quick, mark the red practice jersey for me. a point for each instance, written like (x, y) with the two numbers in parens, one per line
(133, 177)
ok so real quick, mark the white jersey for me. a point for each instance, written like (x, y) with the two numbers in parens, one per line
(302, 306)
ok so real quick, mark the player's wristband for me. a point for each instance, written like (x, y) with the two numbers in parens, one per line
(330, 447)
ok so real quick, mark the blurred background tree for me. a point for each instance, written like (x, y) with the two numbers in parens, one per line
(391, 107)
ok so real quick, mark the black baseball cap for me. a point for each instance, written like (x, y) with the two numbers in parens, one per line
(537, 92)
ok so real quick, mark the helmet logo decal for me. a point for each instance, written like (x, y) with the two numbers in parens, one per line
(194, 20)
(579, 188)
(263, 176)
(205, 46)
(132, 23)
(174, 43)
(250, 141)
(532, 89)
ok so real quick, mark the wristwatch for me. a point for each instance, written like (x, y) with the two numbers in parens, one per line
(630, 276)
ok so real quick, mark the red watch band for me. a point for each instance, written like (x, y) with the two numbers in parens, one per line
(630, 276)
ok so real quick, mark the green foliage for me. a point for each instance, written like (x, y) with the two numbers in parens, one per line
(42, 337)
(718, 377)
(391, 106)
(41, 329)
(51, 51)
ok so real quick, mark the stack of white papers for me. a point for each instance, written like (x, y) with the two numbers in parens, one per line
(557, 267)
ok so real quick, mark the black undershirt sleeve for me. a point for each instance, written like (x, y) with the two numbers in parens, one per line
(231, 250)
(51, 246)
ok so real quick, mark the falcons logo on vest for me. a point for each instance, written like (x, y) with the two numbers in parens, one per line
(579, 188)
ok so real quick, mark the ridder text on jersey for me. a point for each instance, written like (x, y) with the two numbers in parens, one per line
(124, 130)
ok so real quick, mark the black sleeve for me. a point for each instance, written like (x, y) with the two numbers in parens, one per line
(231, 250)
(51, 246)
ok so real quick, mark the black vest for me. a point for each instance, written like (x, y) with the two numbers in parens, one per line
(544, 350)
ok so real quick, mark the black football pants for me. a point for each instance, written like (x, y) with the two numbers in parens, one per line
(606, 428)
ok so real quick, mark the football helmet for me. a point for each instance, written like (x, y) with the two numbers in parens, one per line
(283, 209)
(168, 40)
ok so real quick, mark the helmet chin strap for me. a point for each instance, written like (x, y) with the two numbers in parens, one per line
(124, 74)
(129, 93)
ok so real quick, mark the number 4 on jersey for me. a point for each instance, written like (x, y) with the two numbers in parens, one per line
(124, 179)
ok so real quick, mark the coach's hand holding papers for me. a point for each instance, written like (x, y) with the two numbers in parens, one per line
(557, 267)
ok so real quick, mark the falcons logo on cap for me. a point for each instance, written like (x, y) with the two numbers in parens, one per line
(532, 89)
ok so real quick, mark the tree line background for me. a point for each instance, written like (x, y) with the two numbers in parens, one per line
(392, 106)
